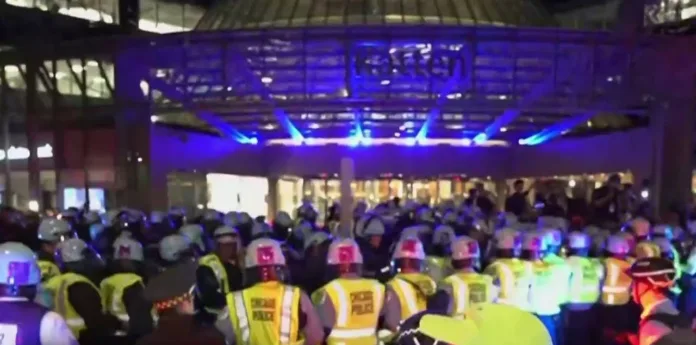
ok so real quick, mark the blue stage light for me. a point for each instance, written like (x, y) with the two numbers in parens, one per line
(480, 138)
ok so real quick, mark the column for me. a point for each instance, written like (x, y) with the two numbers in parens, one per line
(501, 191)
(273, 197)
(5, 120)
(347, 177)
(58, 136)
(133, 126)
(672, 127)
(31, 125)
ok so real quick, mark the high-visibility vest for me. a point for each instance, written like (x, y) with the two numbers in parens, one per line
(62, 303)
(48, 270)
(470, 289)
(266, 313)
(357, 303)
(112, 289)
(616, 288)
(543, 295)
(585, 280)
(412, 289)
(513, 280)
(212, 261)
(561, 276)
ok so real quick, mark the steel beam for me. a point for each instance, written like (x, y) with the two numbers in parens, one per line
(280, 115)
(211, 118)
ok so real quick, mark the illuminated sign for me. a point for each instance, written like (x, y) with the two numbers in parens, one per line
(418, 60)
(17, 153)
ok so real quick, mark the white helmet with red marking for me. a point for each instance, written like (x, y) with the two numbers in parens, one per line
(344, 251)
(617, 244)
(409, 248)
(534, 241)
(264, 252)
(464, 247)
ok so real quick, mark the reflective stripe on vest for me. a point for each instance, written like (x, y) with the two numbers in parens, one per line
(285, 315)
(218, 268)
(460, 295)
(408, 295)
(63, 307)
(112, 290)
(342, 330)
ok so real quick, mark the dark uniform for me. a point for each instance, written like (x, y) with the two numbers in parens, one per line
(170, 291)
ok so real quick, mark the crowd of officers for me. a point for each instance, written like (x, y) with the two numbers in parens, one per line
(123, 277)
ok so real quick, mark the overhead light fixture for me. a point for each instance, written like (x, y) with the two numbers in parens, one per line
(92, 63)
(77, 68)
(11, 69)
(266, 80)
(503, 129)
(385, 82)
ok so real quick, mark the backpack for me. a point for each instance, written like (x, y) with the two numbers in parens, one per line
(681, 334)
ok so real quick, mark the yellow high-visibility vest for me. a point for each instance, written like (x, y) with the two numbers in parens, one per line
(357, 303)
(62, 303)
(470, 289)
(266, 313)
(212, 261)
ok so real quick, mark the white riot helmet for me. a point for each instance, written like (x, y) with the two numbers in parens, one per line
(553, 237)
(157, 217)
(663, 230)
(283, 219)
(72, 250)
(92, 217)
(211, 215)
(464, 247)
(244, 218)
(369, 225)
(450, 217)
(443, 235)
(225, 234)
(231, 219)
(173, 247)
(126, 248)
(110, 216)
(344, 251)
(507, 239)
(261, 229)
(54, 230)
(409, 255)
(264, 252)
(409, 248)
(95, 230)
(415, 231)
(578, 241)
(315, 239)
(194, 233)
(18, 265)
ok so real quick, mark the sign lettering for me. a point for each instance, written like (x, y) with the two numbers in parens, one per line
(361, 303)
(263, 309)
(369, 61)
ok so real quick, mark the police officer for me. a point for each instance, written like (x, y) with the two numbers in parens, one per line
(617, 314)
(22, 321)
(409, 290)
(466, 288)
(437, 264)
(584, 291)
(644, 248)
(122, 291)
(51, 232)
(173, 294)
(77, 298)
(544, 297)
(559, 268)
(652, 278)
(509, 272)
(370, 231)
(269, 311)
(220, 272)
(349, 306)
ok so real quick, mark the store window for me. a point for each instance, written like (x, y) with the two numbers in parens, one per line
(75, 197)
